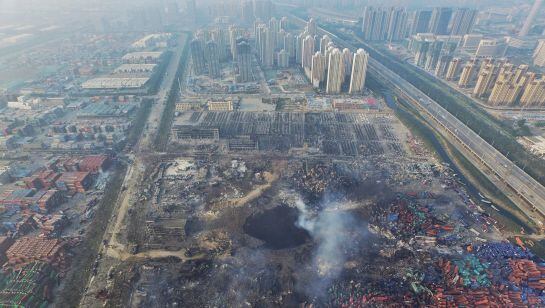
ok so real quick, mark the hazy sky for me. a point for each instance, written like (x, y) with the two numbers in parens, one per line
(54, 8)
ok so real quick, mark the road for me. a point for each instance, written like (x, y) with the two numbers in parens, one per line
(144, 146)
(519, 182)
(148, 134)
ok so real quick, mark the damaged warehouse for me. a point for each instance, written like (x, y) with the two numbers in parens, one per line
(347, 134)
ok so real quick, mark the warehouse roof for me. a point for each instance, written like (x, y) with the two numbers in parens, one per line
(115, 83)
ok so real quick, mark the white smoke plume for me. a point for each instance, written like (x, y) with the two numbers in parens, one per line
(329, 229)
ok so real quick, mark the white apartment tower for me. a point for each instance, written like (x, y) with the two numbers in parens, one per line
(335, 72)
(359, 72)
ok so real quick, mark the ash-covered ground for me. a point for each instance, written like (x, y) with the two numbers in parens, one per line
(293, 232)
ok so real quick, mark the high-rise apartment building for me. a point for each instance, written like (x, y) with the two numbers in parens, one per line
(244, 61)
(212, 59)
(453, 69)
(283, 59)
(318, 70)
(308, 52)
(323, 43)
(260, 41)
(442, 66)
(421, 21)
(375, 24)
(284, 23)
(312, 27)
(463, 21)
(234, 34)
(335, 72)
(269, 47)
(197, 56)
(466, 77)
(299, 48)
(347, 63)
(280, 38)
(397, 24)
(221, 37)
(534, 94)
(274, 26)
(483, 82)
(289, 46)
(359, 72)
(432, 57)
(421, 48)
(440, 20)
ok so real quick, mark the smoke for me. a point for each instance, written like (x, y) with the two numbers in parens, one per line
(333, 231)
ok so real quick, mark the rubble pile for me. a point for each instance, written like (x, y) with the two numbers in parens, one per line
(405, 217)
(316, 179)
(354, 295)
(455, 268)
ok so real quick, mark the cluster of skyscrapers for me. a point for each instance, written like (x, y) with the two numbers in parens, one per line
(211, 47)
(498, 81)
(327, 66)
(252, 9)
(432, 52)
(274, 45)
(395, 23)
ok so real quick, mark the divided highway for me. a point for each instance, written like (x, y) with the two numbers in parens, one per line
(525, 187)
(519, 181)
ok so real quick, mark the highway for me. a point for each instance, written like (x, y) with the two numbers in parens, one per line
(523, 185)
(519, 181)
(154, 119)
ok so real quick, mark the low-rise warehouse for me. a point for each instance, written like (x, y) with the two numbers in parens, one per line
(135, 68)
(115, 83)
(142, 57)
